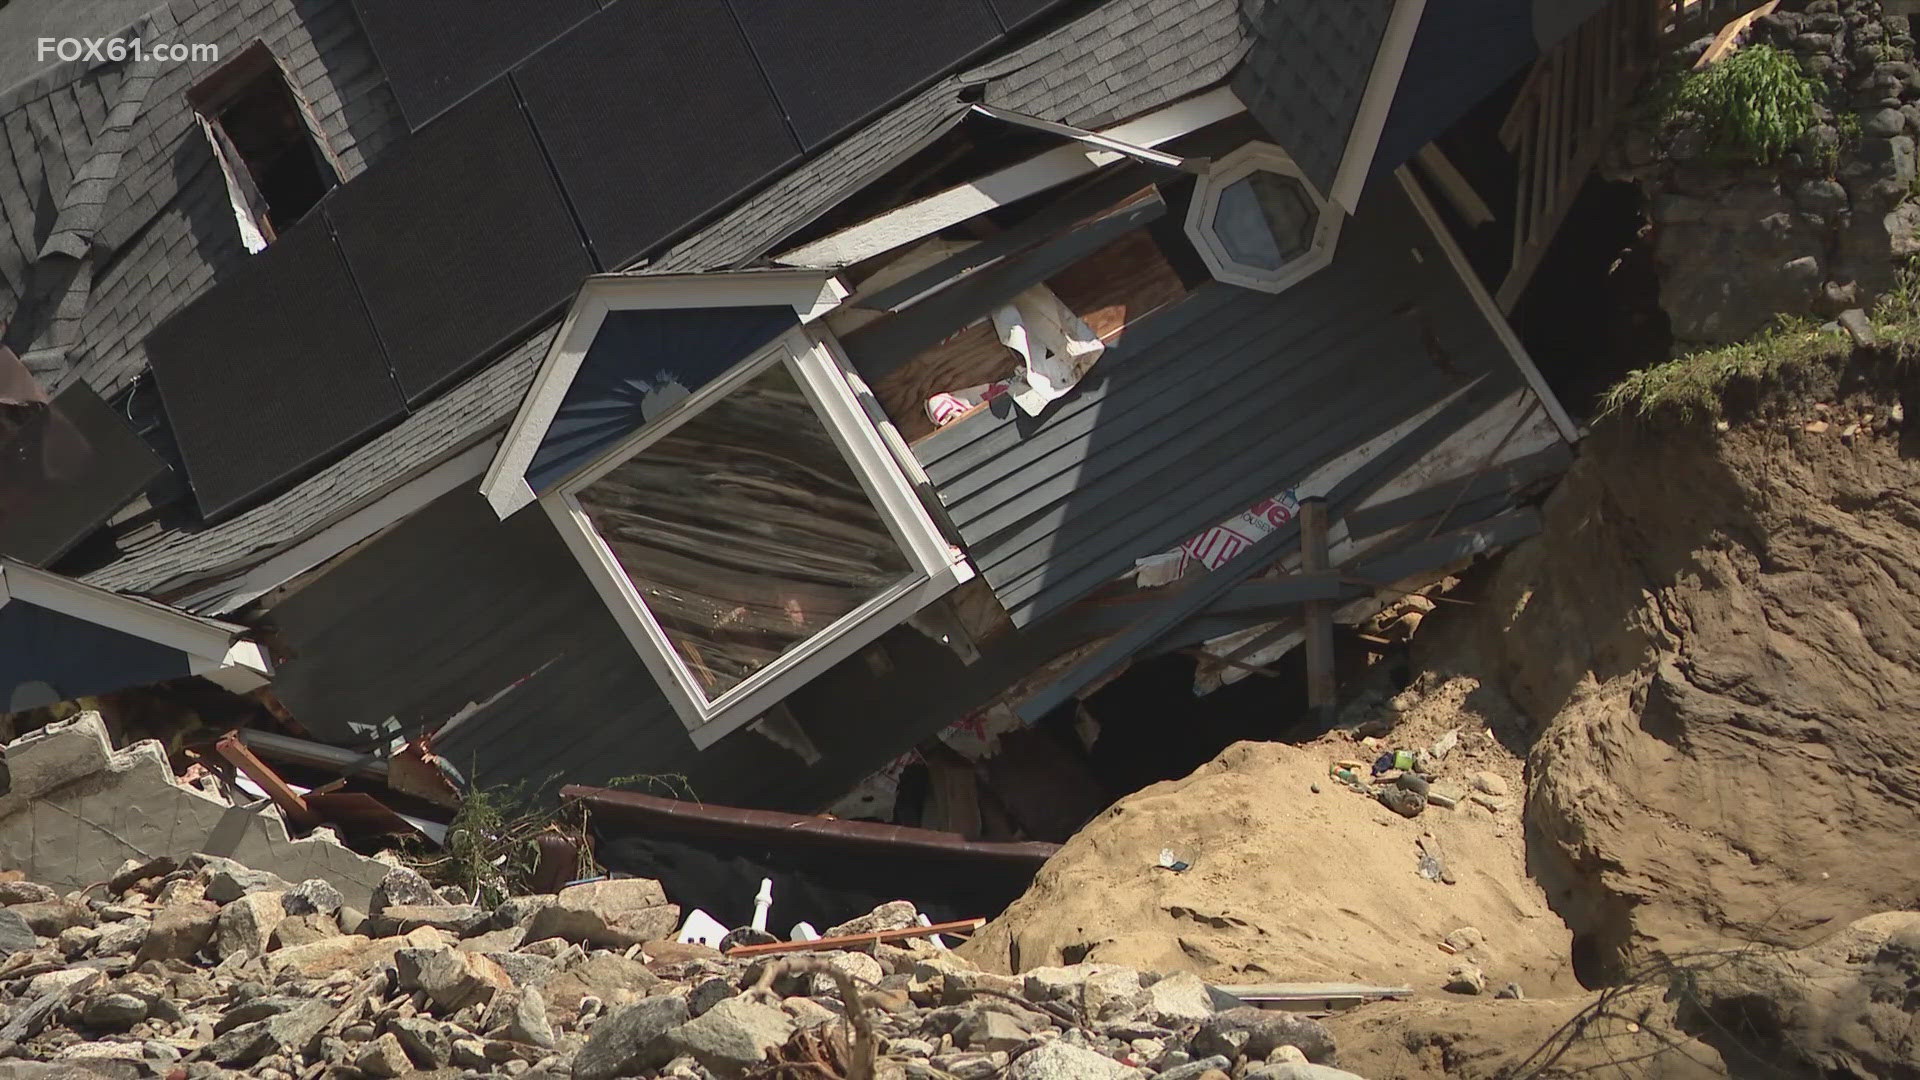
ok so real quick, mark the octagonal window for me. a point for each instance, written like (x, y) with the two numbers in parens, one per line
(1265, 220)
(1258, 222)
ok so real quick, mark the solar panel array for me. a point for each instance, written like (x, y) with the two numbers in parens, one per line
(552, 140)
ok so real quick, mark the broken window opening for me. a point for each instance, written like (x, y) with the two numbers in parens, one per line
(745, 531)
(755, 536)
(276, 163)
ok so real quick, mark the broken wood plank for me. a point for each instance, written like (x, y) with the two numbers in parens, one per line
(1321, 686)
(288, 800)
(1723, 41)
(878, 937)
(1471, 400)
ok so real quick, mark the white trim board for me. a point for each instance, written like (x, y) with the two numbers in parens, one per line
(811, 293)
(212, 646)
(1389, 64)
(924, 217)
(1488, 309)
(813, 359)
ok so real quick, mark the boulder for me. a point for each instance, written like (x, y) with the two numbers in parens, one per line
(453, 979)
(733, 1036)
(456, 919)
(48, 917)
(1177, 1001)
(383, 1057)
(1264, 1031)
(15, 934)
(892, 915)
(614, 914)
(1466, 979)
(426, 1041)
(122, 938)
(304, 930)
(228, 880)
(403, 887)
(607, 977)
(521, 1016)
(1300, 1071)
(1059, 1060)
(314, 896)
(247, 924)
(25, 892)
(631, 1039)
(179, 930)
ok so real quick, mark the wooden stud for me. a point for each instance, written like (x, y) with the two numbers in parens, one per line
(1321, 690)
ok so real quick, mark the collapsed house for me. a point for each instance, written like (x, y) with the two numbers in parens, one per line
(749, 393)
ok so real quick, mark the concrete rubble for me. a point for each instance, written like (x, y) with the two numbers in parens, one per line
(206, 968)
(79, 808)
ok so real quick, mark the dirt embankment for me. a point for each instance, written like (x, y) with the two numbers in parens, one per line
(1703, 682)
(1285, 885)
(1718, 637)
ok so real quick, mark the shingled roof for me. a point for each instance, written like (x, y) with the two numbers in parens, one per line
(1121, 59)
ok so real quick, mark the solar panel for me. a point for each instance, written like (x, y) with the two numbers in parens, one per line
(654, 114)
(436, 52)
(456, 261)
(272, 373)
(833, 65)
(65, 468)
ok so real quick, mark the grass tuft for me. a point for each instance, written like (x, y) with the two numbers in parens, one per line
(1694, 385)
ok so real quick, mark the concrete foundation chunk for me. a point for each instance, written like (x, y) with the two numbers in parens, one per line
(136, 810)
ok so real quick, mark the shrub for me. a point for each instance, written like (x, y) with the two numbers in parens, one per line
(1754, 104)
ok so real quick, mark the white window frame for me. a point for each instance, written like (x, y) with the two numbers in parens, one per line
(935, 566)
(1241, 163)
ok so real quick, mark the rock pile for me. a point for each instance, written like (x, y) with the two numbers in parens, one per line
(214, 970)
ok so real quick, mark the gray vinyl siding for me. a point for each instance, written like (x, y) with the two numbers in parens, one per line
(1201, 410)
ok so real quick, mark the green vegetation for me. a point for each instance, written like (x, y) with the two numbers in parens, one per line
(490, 853)
(1753, 105)
(1694, 385)
(1691, 385)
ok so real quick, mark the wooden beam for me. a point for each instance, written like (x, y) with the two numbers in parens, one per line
(287, 799)
(1454, 185)
(1466, 403)
(1321, 686)
(1723, 41)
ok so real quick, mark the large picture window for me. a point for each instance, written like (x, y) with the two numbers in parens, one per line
(755, 535)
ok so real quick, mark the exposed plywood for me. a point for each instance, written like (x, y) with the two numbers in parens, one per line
(969, 358)
(1116, 285)
(1119, 284)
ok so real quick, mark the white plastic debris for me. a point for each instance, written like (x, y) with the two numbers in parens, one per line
(1056, 348)
(700, 929)
(762, 903)
(937, 941)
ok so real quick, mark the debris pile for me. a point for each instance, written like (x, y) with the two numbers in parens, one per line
(212, 969)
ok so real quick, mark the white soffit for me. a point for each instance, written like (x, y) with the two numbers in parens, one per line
(214, 647)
